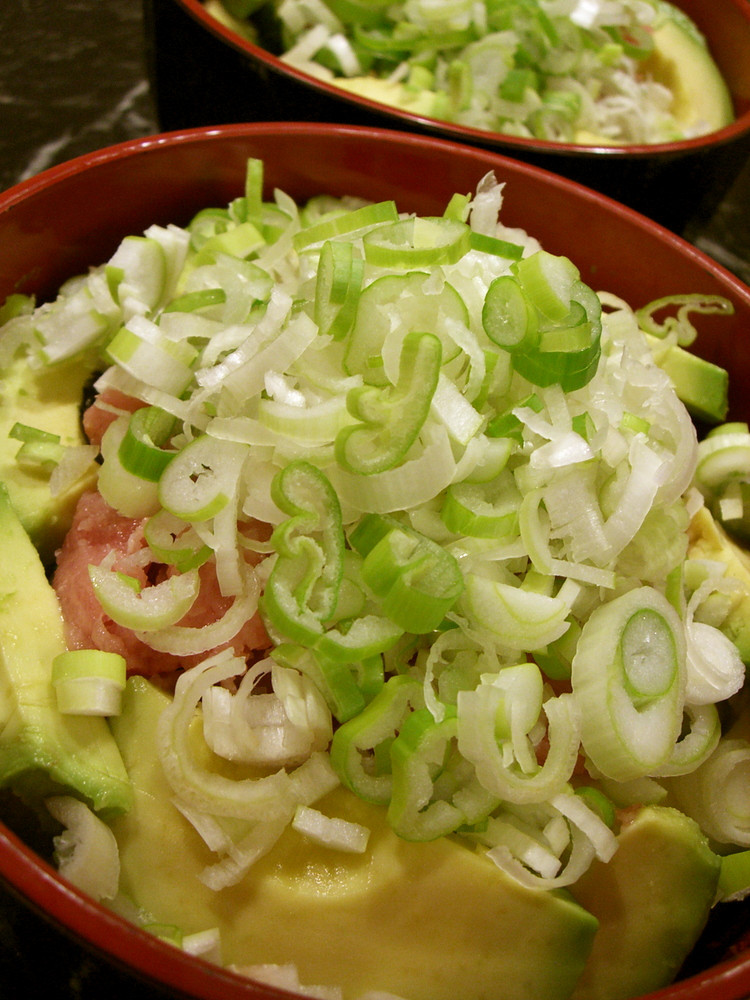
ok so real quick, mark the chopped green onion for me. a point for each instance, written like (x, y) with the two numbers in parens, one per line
(344, 428)
(144, 608)
(393, 306)
(715, 794)
(15, 305)
(495, 721)
(175, 542)
(508, 316)
(636, 40)
(127, 493)
(628, 677)
(330, 831)
(253, 175)
(495, 246)
(199, 481)
(241, 241)
(146, 355)
(520, 619)
(22, 432)
(548, 281)
(368, 13)
(458, 206)
(302, 591)
(335, 679)
(680, 324)
(40, 449)
(734, 877)
(89, 682)
(70, 326)
(138, 270)
(416, 580)
(346, 224)
(206, 944)
(391, 418)
(86, 851)
(360, 748)
(204, 298)
(483, 510)
(422, 749)
(140, 449)
(417, 242)
(516, 83)
(337, 289)
(599, 802)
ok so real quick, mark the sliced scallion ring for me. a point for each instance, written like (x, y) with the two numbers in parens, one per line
(175, 542)
(140, 450)
(337, 288)
(146, 609)
(483, 510)
(89, 682)
(548, 281)
(495, 246)
(146, 355)
(508, 315)
(417, 242)
(346, 223)
(629, 676)
(199, 481)
(393, 306)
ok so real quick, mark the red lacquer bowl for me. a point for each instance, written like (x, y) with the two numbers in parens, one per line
(203, 72)
(57, 224)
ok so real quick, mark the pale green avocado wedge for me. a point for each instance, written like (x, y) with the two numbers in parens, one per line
(397, 95)
(701, 385)
(43, 752)
(683, 63)
(49, 400)
(432, 921)
(652, 901)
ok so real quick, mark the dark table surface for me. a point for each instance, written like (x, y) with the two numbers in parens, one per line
(73, 79)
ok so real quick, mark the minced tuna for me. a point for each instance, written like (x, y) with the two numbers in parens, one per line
(97, 530)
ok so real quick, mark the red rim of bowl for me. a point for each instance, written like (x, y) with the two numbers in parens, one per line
(740, 126)
(31, 877)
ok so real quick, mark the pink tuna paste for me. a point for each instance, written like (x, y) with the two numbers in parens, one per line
(96, 530)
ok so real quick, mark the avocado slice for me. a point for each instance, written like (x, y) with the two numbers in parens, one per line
(701, 385)
(430, 921)
(652, 901)
(682, 62)
(232, 14)
(50, 400)
(422, 101)
(708, 540)
(43, 752)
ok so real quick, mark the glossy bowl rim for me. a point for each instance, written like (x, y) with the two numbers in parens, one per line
(30, 876)
(511, 145)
